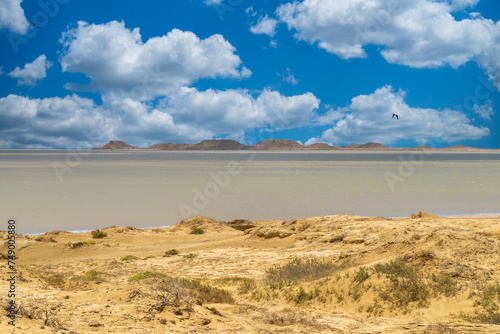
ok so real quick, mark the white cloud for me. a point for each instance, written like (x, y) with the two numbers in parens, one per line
(32, 72)
(250, 11)
(485, 111)
(462, 4)
(288, 77)
(187, 116)
(370, 119)
(416, 33)
(118, 61)
(234, 111)
(331, 116)
(12, 16)
(265, 26)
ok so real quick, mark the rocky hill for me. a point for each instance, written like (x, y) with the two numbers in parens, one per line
(276, 145)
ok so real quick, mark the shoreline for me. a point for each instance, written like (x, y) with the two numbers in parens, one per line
(455, 216)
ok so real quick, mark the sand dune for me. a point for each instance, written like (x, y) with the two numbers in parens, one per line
(332, 274)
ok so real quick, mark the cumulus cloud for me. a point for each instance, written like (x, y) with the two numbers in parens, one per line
(12, 16)
(369, 118)
(32, 72)
(118, 61)
(265, 26)
(187, 116)
(415, 33)
(485, 111)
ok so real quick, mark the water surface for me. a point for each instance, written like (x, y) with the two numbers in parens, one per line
(83, 190)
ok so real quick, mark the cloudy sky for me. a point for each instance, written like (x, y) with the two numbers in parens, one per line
(75, 74)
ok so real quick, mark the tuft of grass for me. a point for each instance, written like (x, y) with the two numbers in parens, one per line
(172, 252)
(128, 257)
(190, 256)
(361, 275)
(197, 230)
(91, 276)
(97, 234)
(56, 280)
(406, 285)
(445, 285)
(487, 306)
(147, 274)
(308, 269)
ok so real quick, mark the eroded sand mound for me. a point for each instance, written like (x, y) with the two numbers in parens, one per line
(205, 223)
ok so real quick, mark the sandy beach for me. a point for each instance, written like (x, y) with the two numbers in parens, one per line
(331, 274)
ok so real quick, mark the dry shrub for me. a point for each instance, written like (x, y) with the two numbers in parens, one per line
(178, 294)
(50, 313)
(308, 269)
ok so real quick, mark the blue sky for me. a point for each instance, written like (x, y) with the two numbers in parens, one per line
(312, 71)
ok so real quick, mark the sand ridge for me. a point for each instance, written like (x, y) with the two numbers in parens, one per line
(220, 281)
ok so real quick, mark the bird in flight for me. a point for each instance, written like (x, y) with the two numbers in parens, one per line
(35, 24)
(394, 115)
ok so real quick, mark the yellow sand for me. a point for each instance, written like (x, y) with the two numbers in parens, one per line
(52, 267)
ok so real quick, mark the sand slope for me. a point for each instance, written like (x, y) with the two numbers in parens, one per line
(353, 275)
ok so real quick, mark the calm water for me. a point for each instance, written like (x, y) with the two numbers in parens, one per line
(83, 190)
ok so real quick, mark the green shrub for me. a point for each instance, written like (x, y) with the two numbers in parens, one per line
(361, 275)
(128, 257)
(172, 252)
(146, 274)
(197, 230)
(308, 269)
(96, 234)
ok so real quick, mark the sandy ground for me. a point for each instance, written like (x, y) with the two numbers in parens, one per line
(443, 279)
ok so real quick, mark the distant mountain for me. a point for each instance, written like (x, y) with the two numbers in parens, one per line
(116, 145)
(276, 145)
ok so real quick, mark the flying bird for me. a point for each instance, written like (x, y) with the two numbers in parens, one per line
(35, 24)
(394, 115)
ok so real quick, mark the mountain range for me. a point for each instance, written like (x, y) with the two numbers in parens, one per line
(275, 145)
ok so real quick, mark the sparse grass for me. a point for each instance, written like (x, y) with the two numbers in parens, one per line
(487, 306)
(288, 317)
(147, 274)
(406, 285)
(361, 275)
(128, 257)
(91, 276)
(97, 234)
(245, 284)
(298, 269)
(445, 285)
(172, 252)
(197, 230)
(54, 279)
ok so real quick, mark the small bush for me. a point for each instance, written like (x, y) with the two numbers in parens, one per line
(146, 274)
(190, 256)
(407, 285)
(487, 306)
(97, 234)
(301, 269)
(197, 230)
(172, 252)
(361, 275)
(56, 280)
(128, 257)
